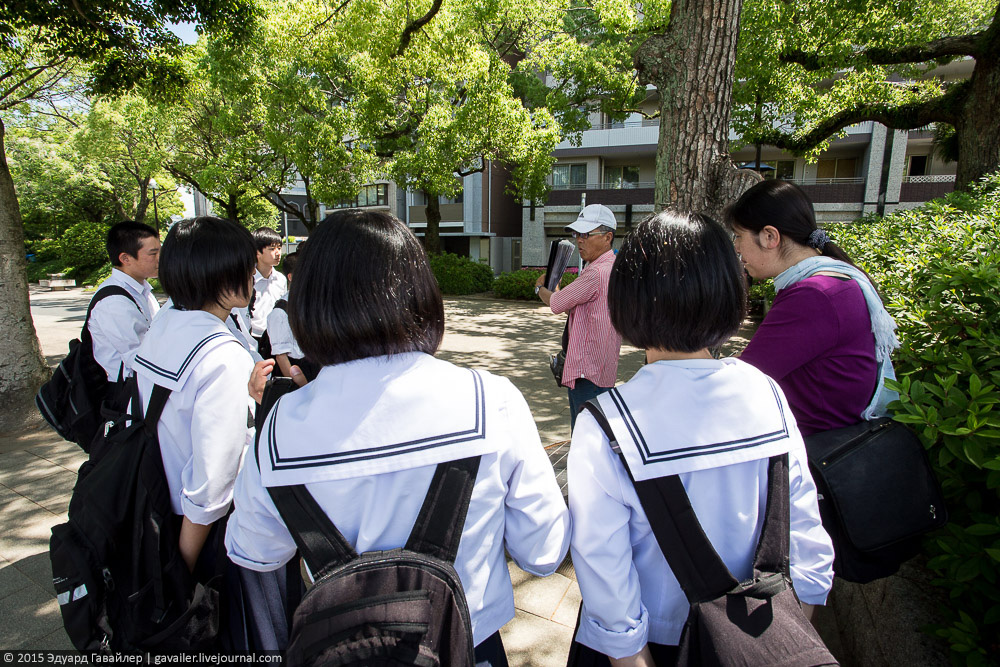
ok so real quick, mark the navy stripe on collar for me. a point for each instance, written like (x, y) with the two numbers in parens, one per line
(477, 432)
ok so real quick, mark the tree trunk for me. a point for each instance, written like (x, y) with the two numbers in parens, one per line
(143, 204)
(977, 129)
(22, 368)
(691, 65)
(432, 237)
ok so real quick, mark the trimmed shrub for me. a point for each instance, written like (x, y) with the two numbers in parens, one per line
(457, 274)
(521, 284)
(84, 246)
(938, 270)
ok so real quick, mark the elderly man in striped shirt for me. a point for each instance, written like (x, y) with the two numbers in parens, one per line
(592, 354)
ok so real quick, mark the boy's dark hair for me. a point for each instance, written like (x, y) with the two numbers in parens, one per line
(204, 258)
(677, 284)
(127, 237)
(289, 263)
(363, 288)
(264, 237)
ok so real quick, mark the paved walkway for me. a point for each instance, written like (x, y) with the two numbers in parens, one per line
(38, 470)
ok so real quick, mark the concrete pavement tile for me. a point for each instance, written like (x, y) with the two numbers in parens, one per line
(531, 641)
(43, 490)
(569, 607)
(38, 569)
(65, 454)
(21, 466)
(566, 569)
(25, 530)
(11, 579)
(541, 595)
(58, 505)
(37, 615)
(55, 641)
(7, 493)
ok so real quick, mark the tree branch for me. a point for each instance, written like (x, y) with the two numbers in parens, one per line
(946, 47)
(414, 26)
(898, 117)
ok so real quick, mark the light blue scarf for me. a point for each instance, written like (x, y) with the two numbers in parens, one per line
(883, 326)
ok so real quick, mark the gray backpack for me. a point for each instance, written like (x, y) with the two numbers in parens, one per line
(404, 606)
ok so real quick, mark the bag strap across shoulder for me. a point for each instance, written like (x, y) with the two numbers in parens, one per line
(696, 564)
(101, 295)
(438, 528)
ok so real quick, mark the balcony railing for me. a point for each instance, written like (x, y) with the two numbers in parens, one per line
(825, 181)
(604, 186)
(935, 178)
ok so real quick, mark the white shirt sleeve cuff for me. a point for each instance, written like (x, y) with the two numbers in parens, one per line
(611, 643)
(204, 516)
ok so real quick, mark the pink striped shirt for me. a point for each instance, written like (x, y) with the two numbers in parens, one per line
(593, 343)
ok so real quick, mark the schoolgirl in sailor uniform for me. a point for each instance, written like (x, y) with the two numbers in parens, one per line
(204, 429)
(677, 290)
(366, 435)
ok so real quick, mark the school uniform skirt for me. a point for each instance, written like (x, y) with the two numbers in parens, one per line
(260, 606)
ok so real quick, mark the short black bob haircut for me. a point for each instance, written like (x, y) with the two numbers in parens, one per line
(677, 284)
(203, 259)
(127, 237)
(264, 237)
(289, 264)
(363, 288)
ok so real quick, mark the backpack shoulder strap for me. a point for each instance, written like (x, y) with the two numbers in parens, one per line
(772, 549)
(696, 564)
(101, 295)
(319, 541)
(438, 528)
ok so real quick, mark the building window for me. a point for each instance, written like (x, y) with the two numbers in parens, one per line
(784, 170)
(918, 165)
(837, 168)
(370, 195)
(569, 176)
(618, 178)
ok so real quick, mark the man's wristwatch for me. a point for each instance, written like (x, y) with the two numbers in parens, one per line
(537, 287)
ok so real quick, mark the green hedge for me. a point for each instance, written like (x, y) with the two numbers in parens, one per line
(521, 284)
(84, 246)
(938, 269)
(461, 275)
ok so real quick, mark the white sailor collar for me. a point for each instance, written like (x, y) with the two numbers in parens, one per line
(376, 415)
(177, 342)
(676, 417)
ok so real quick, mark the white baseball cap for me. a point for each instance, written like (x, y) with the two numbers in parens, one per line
(592, 217)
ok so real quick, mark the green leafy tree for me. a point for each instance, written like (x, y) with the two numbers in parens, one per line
(126, 139)
(809, 69)
(42, 43)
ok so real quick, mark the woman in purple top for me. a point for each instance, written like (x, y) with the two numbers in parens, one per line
(827, 338)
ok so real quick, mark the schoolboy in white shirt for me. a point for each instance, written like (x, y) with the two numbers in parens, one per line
(284, 349)
(117, 324)
(269, 284)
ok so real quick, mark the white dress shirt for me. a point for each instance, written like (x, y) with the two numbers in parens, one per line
(280, 334)
(204, 427)
(715, 423)
(375, 430)
(117, 325)
(267, 291)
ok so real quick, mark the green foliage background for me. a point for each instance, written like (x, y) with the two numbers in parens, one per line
(938, 269)
(461, 275)
(521, 284)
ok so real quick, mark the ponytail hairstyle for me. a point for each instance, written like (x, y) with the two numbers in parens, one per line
(787, 208)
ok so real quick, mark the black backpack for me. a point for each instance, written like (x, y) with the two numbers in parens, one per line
(118, 573)
(309, 368)
(755, 622)
(404, 606)
(73, 398)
